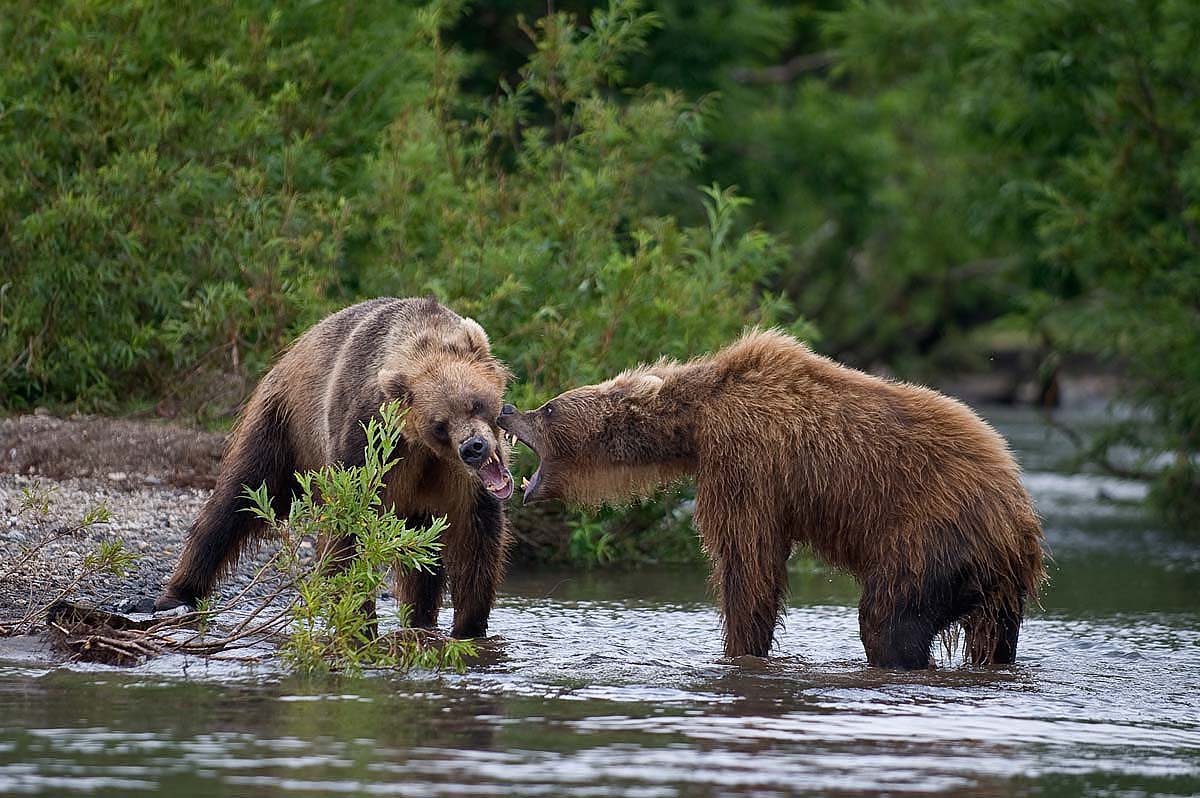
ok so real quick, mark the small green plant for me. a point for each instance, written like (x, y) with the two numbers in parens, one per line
(35, 500)
(591, 542)
(331, 627)
(109, 557)
(655, 530)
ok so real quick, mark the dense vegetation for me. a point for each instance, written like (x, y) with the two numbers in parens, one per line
(184, 187)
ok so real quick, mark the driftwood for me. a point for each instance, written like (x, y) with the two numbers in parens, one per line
(93, 635)
(88, 634)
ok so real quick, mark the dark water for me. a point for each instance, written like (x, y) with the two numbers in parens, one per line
(606, 685)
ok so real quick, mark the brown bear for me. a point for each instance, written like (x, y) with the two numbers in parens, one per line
(309, 412)
(903, 487)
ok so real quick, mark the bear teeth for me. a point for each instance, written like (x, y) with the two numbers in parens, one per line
(524, 483)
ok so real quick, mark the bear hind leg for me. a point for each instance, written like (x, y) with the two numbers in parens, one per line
(898, 628)
(259, 453)
(992, 632)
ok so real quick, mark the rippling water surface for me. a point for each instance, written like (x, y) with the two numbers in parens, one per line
(607, 685)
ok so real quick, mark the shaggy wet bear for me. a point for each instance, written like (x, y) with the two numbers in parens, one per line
(308, 412)
(903, 487)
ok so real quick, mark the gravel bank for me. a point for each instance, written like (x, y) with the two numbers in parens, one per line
(152, 477)
(151, 520)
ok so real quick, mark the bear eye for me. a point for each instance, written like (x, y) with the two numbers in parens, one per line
(441, 431)
(549, 409)
(477, 407)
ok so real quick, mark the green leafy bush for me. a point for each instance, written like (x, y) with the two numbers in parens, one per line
(539, 213)
(172, 183)
(329, 628)
(183, 188)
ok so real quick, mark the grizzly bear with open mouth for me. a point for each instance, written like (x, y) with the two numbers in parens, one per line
(309, 412)
(905, 488)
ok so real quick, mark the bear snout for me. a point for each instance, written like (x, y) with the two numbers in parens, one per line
(474, 451)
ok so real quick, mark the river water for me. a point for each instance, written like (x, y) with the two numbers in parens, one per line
(603, 684)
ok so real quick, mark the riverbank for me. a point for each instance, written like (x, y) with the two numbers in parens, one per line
(152, 478)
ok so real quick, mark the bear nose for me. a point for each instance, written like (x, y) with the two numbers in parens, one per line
(507, 410)
(473, 451)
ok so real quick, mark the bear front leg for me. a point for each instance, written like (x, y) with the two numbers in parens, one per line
(474, 559)
(421, 590)
(335, 557)
(750, 575)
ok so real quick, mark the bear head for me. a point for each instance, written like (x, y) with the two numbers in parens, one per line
(452, 386)
(612, 441)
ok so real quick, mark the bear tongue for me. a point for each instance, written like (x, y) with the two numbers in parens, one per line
(529, 485)
(496, 478)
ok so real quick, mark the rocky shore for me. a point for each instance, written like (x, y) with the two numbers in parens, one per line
(150, 477)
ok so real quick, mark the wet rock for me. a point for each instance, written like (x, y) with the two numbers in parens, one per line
(142, 604)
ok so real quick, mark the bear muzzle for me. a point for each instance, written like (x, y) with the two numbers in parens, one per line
(477, 453)
(474, 451)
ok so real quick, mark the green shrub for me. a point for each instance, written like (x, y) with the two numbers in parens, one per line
(329, 628)
(539, 213)
(172, 183)
(183, 188)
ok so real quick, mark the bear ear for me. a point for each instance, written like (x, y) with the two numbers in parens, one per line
(638, 385)
(503, 372)
(476, 336)
(393, 386)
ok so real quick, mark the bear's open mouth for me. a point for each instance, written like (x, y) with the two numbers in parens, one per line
(496, 478)
(529, 485)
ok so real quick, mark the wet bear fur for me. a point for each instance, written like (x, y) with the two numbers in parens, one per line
(903, 487)
(308, 412)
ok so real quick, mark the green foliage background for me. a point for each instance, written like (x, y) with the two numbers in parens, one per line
(184, 187)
